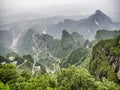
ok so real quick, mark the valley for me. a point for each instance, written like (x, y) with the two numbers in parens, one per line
(63, 55)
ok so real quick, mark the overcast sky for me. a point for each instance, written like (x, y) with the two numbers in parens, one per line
(75, 6)
(45, 3)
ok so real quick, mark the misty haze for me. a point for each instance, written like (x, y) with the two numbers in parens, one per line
(59, 45)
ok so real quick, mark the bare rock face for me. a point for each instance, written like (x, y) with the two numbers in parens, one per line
(118, 74)
(112, 59)
(105, 60)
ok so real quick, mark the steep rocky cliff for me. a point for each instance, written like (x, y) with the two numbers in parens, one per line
(105, 60)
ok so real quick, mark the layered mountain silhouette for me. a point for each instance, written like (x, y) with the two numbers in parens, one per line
(22, 39)
(57, 47)
(87, 27)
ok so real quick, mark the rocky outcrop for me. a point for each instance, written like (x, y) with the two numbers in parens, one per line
(112, 59)
(118, 74)
(106, 59)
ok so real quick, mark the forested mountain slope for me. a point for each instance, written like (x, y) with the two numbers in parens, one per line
(105, 60)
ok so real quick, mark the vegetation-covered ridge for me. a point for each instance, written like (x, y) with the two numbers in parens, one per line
(76, 57)
(72, 78)
(105, 60)
(105, 34)
(81, 69)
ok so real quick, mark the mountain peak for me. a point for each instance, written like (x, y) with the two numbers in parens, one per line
(98, 12)
(65, 34)
(99, 16)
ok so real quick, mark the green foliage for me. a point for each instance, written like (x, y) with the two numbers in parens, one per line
(76, 57)
(4, 86)
(28, 57)
(105, 54)
(3, 59)
(104, 34)
(72, 78)
(26, 75)
(106, 85)
(8, 73)
(68, 43)
(75, 79)
(39, 82)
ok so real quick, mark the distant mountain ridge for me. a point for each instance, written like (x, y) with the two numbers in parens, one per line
(67, 42)
(104, 34)
(86, 27)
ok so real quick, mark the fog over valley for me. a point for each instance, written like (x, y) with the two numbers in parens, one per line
(59, 45)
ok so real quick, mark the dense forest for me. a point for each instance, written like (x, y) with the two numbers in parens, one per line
(94, 65)
(59, 45)
(72, 78)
